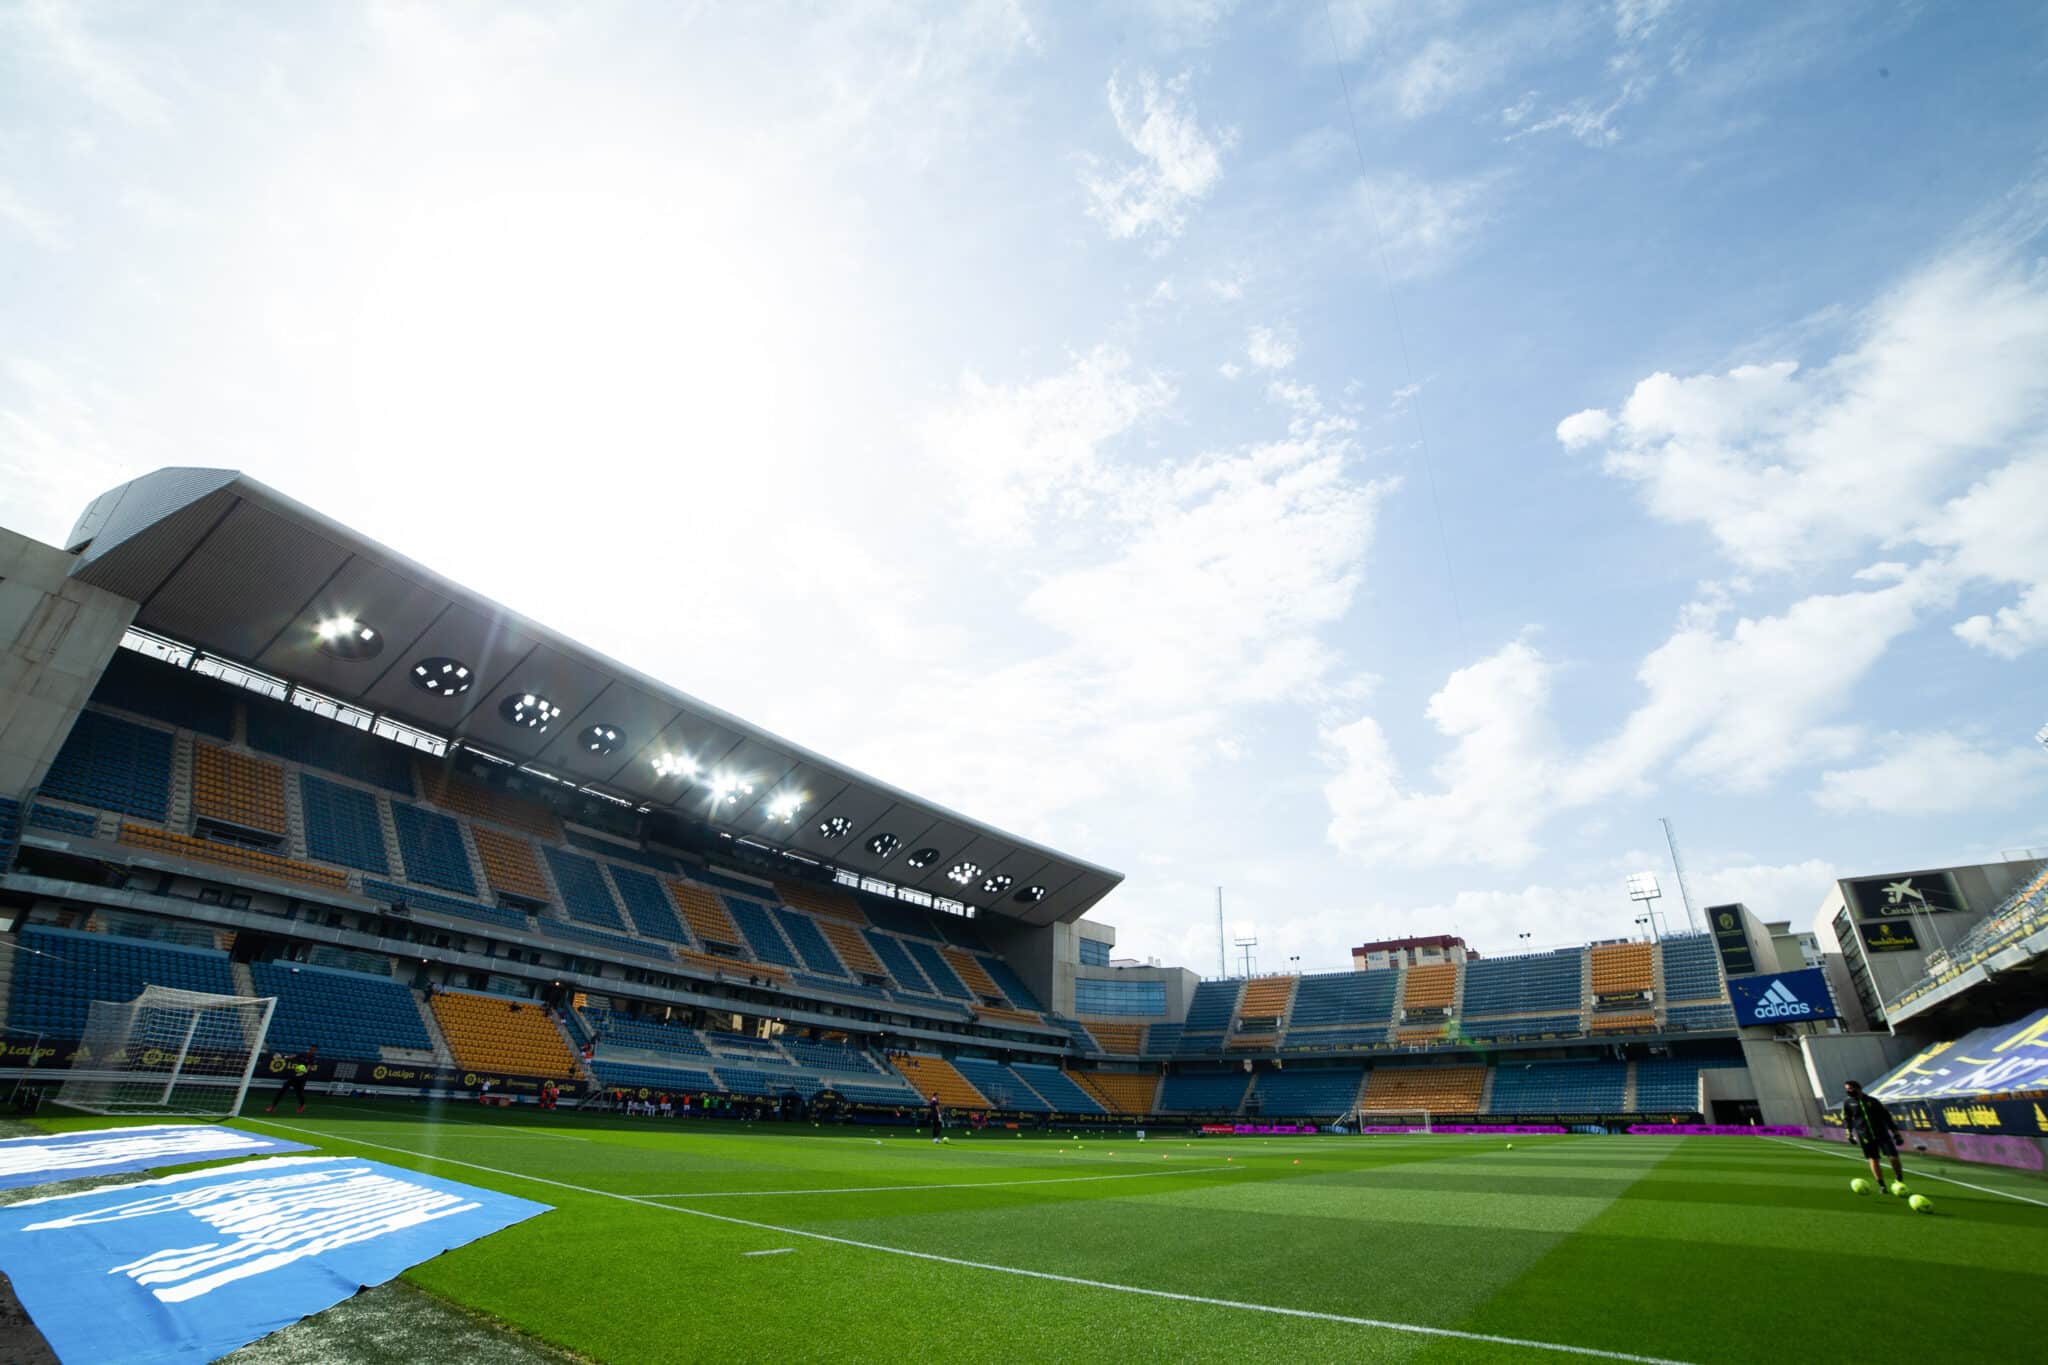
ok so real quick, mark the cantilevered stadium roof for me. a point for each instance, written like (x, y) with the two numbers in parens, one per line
(237, 569)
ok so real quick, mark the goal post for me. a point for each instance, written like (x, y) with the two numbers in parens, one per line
(168, 1052)
(1407, 1120)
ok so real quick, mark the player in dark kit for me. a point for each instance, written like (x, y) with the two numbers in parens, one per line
(936, 1116)
(296, 1069)
(1871, 1127)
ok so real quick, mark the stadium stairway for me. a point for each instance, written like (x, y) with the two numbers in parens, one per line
(444, 1055)
(295, 814)
(1485, 1092)
(1585, 997)
(178, 813)
(245, 982)
(1628, 1090)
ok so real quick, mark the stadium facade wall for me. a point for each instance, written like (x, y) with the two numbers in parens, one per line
(1776, 1073)
(56, 636)
(1832, 1058)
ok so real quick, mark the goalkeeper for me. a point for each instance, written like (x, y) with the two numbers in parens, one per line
(296, 1069)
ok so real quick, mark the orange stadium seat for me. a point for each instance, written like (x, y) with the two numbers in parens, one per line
(731, 966)
(238, 789)
(1433, 986)
(937, 1076)
(972, 974)
(487, 1033)
(853, 950)
(509, 864)
(1128, 1039)
(1621, 968)
(1120, 1092)
(1441, 1089)
(822, 901)
(1006, 1016)
(1266, 997)
(452, 791)
(703, 912)
(1634, 1021)
(230, 855)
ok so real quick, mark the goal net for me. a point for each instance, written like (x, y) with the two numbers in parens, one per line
(167, 1051)
(1384, 1120)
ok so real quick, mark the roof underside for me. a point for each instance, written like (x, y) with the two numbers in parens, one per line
(221, 562)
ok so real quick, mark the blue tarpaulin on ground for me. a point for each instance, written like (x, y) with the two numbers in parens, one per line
(1988, 1061)
(185, 1268)
(116, 1151)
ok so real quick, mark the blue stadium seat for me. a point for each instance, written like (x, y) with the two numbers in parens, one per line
(1559, 1088)
(1670, 1085)
(342, 825)
(1162, 1038)
(654, 914)
(1692, 1018)
(54, 985)
(1532, 1027)
(1343, 998)
(646, 1034)
(430, 845)
(937, 971)
(113, 764)
(899, 918)
(1203, 1092)
(1214, 1003)
(58, 820)
(584, 893)
(824, 1056)
(348, 1014)
(391, 893)
(810, 945)
(760, 931)
(1322, 1093)
(1332, 1039)
(286, 731)
(10, 829)
(1692, 968)
(836, 986)
(1057, 1088)
(1003, 1087)
(176, 696)
(890, 950)
(671, 1080)
(1012, 985)
(1553, 982)
(600, 938)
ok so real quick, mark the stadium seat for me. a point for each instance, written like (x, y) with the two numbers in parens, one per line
(1558, 1088)
(936, 1076)
(625, 853)
(391, 894)
(641, 1077)
(1122, 1039)
(1688, 1018)
(430, 846)
(491, 1033)
(343, 826)
(1669, 1085)
(1621, 968)
(599, 938)
(1213, 1005)
(1203, 1092)
(933, 965)
(585, 893)
(1433, 986)
(1010, 984)
(55, 985)
(706, 915)
(761, 934)
(351, 1016)
(1344, 998)
(509, 864)
(232, 855)
(56, 819)
(1529, 983)
(823, 901)
(803, 935)
(652, 912)
(972, 974)
(237, 789)
(646, 1034)
(1439, 1089)
(1119, 1092)
(453, 791)
(1162, 1039)
(906, 973)
(1004, 1088)
(1057, 1088)
(824, 1056)
(10, 828)
(113, 764)
(1526, 1026)
(1266, 997)
(1692, 969)
(1321, 1093)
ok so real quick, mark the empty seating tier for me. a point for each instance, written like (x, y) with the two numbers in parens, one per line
(1012, 985)
(113, 764)
(1057, 1088)
(1344, 998)
(1119, 1092)
(653, 913)
(237, 789)
(802, 933)
(1430, 987)
(349, 1015)
(1439, 1089)
(488, 1033)
(1691, 971)
(1203, 1092)
(1323, 1093)
(705, 914)
(890, 951)
(10, 828)
(585, 895)
(853, 950)
(1007, 1016)
(165, 692)
(233, 855)
(824, 1056)
(1266, 997)
(1162, 1038)
(1619, 969)
(1214, 1003)
(937, 1076)
(1669, 1085)
(647, 1034)
(57, 819)
(509, 864)
(392, 894)
(600, 938)
(1699, 1017)
(55, 985)
(342, 825)
(935, 969)
(1548, 983)
(819, 900)
(638, 1077)
(761, 934)
(1333, 1039)
(465, 796)
(715, 965)
(1126, 1039)
(972, 974)
(1559, 1088)
(1527, 1026)
(899, 918)
(430, 846)
(1004, 1088)
(287, 732)
(1628, 1021)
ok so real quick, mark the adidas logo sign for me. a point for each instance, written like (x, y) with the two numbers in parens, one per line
(1780, 1003)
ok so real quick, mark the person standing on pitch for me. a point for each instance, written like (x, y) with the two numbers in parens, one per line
(937, 1117)
(1872, 1128)
(296, 1069)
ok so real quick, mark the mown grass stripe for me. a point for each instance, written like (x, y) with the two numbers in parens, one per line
(1801, 1145)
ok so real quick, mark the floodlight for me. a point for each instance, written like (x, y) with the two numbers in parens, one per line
(441, 677)
(347, 638)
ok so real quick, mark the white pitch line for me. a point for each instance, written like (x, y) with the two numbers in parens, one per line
(771, 1251)
(964, 1185)
(1412, 1328)
(1922, 1175)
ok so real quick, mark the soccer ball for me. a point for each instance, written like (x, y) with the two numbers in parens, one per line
(1899, 1189)
(1511, 1146)
(1920, 1203)
(1860, 1185)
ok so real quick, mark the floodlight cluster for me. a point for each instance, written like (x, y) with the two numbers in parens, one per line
(838, 827)
(675, 765)
(923, 858)
(783, 808)
(602, 739)
(963, 872)
(882, 845)
(347, 638)
(996, 885)
(442, 677)
(1031, 895)
(529, 712)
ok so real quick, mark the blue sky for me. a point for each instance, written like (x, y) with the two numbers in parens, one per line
(1063, 415)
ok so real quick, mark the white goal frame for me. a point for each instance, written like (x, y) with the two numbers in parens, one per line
(1358, 1120)
(168, 1052)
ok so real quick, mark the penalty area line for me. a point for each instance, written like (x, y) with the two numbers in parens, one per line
(1923, 1175)
(1273, 1310)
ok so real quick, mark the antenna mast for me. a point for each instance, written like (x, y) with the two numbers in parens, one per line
(1222, 957)
(1678, 866)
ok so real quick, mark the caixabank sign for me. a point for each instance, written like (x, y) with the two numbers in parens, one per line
(1786, 998)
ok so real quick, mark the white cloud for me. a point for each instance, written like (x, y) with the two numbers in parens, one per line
(1635, 20)
(1418, 225)
(1790, 467)
(1230, 369)
(1935, 773)
(58, 34)
(1181, 161)
(1433, 76)
(1268, 349)
(1993, 532)
(25, 218)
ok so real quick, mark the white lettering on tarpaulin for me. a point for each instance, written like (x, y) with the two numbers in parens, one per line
(269, 1221)
(196, 1140)
(1780, 1003)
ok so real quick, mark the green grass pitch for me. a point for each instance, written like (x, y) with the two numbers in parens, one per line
(683, 1241)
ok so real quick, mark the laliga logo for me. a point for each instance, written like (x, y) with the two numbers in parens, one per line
(1780, 1003)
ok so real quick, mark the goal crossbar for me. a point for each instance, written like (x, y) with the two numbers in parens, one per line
(168, 1051)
